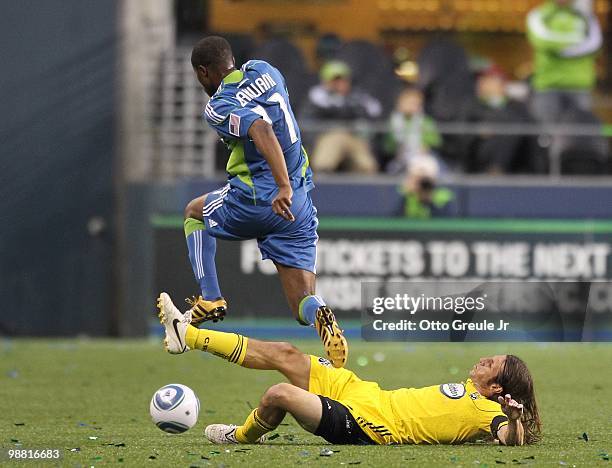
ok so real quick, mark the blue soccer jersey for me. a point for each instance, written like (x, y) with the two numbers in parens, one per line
(257, 91)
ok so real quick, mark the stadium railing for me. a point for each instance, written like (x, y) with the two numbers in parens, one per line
(185, 147)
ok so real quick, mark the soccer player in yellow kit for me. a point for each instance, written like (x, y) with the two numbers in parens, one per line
(497, 400)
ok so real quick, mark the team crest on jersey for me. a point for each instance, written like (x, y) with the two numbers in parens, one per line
(234, 125)
(453, 390)
(324, 362)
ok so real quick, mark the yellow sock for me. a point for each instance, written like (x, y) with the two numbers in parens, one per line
(228, 346)
(252, 429)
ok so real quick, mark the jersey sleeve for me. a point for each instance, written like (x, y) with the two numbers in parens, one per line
(491, 418)
(542, 37)
(591, 44)
(229, 119)
(497, 423)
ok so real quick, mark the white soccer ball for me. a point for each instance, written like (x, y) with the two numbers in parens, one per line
(174, 408)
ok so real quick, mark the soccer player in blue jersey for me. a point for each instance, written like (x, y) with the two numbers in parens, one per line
(267, 196)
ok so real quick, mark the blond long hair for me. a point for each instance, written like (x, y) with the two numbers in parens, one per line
(516, 380)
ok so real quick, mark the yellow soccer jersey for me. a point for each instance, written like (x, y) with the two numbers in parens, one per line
(441, 414)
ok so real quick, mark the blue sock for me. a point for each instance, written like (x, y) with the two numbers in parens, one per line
(202, 247)
(308, 309)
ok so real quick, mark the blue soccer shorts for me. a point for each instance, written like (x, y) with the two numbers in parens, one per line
(294, 244)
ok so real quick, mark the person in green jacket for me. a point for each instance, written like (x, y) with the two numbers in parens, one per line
(565, 36)
(412, 133)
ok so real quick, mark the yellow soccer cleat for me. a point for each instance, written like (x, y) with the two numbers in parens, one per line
(331, 335)
(202, 310)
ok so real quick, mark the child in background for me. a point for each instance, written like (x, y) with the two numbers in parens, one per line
(412, 132)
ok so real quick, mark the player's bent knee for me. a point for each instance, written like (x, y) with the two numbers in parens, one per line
(190, 210)
(278, 395)
(194, 208)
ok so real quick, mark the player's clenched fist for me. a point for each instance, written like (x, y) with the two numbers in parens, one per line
(282, 203)
(510, 407)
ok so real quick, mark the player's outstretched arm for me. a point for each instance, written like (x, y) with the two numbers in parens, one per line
(513, 433)
(267, 144)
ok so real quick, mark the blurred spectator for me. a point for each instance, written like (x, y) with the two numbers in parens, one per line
(336, 101)
(412, 132)
(494, 153)
(422, 197)
(565, 35)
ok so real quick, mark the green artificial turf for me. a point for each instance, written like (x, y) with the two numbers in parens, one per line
(92, 396)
